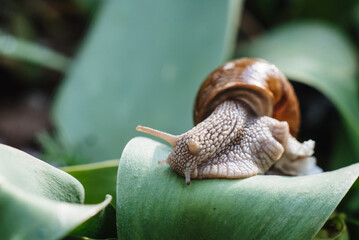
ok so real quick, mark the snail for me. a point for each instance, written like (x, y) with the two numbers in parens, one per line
(246, 118)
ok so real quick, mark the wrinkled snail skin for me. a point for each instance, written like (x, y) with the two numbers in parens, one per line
(246, 114)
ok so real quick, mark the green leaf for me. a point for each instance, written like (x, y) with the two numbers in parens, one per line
(318, 55)
(36, 177)
(38, 201)
(344, 154)
(153, 202)
(21, 49)
(102, 225)
(322, 57)
(334, 228)
(26, 216)
(142, 63)
(98, 179)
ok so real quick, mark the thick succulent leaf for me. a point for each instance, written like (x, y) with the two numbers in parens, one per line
(102, 225)
(318, 55)
(21, 49)
(26, 216)
(36, 177)
(98, 179)
(38, 201)
(153, 202)
(142, 64)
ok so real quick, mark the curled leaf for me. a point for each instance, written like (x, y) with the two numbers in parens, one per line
(153, 202)
(38, 201)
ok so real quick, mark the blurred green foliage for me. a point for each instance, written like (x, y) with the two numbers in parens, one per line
(141, 62)
(154, 61)
(299, 50)
(20, 49)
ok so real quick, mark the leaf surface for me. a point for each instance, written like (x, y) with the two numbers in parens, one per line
(36, 177)
(153, 202)
(98, 179)
(316, 54)
(142, 63)
(39, 201)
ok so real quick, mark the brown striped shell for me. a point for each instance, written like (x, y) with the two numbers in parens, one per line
(255, 81)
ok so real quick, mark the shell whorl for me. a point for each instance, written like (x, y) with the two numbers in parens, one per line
(256, 82)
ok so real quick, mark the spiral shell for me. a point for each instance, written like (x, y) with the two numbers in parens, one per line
(258, 83)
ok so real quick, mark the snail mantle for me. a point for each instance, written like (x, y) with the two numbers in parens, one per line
(247, 117)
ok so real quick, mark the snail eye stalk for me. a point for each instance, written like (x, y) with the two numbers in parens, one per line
(171, 139)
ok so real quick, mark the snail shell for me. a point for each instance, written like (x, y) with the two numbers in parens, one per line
(246, 114)
(255, 81)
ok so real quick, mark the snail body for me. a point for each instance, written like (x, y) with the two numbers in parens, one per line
(246, 115)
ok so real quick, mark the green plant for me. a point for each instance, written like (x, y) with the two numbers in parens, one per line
(142, 62)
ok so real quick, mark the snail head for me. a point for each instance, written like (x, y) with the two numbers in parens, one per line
(185, 155)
